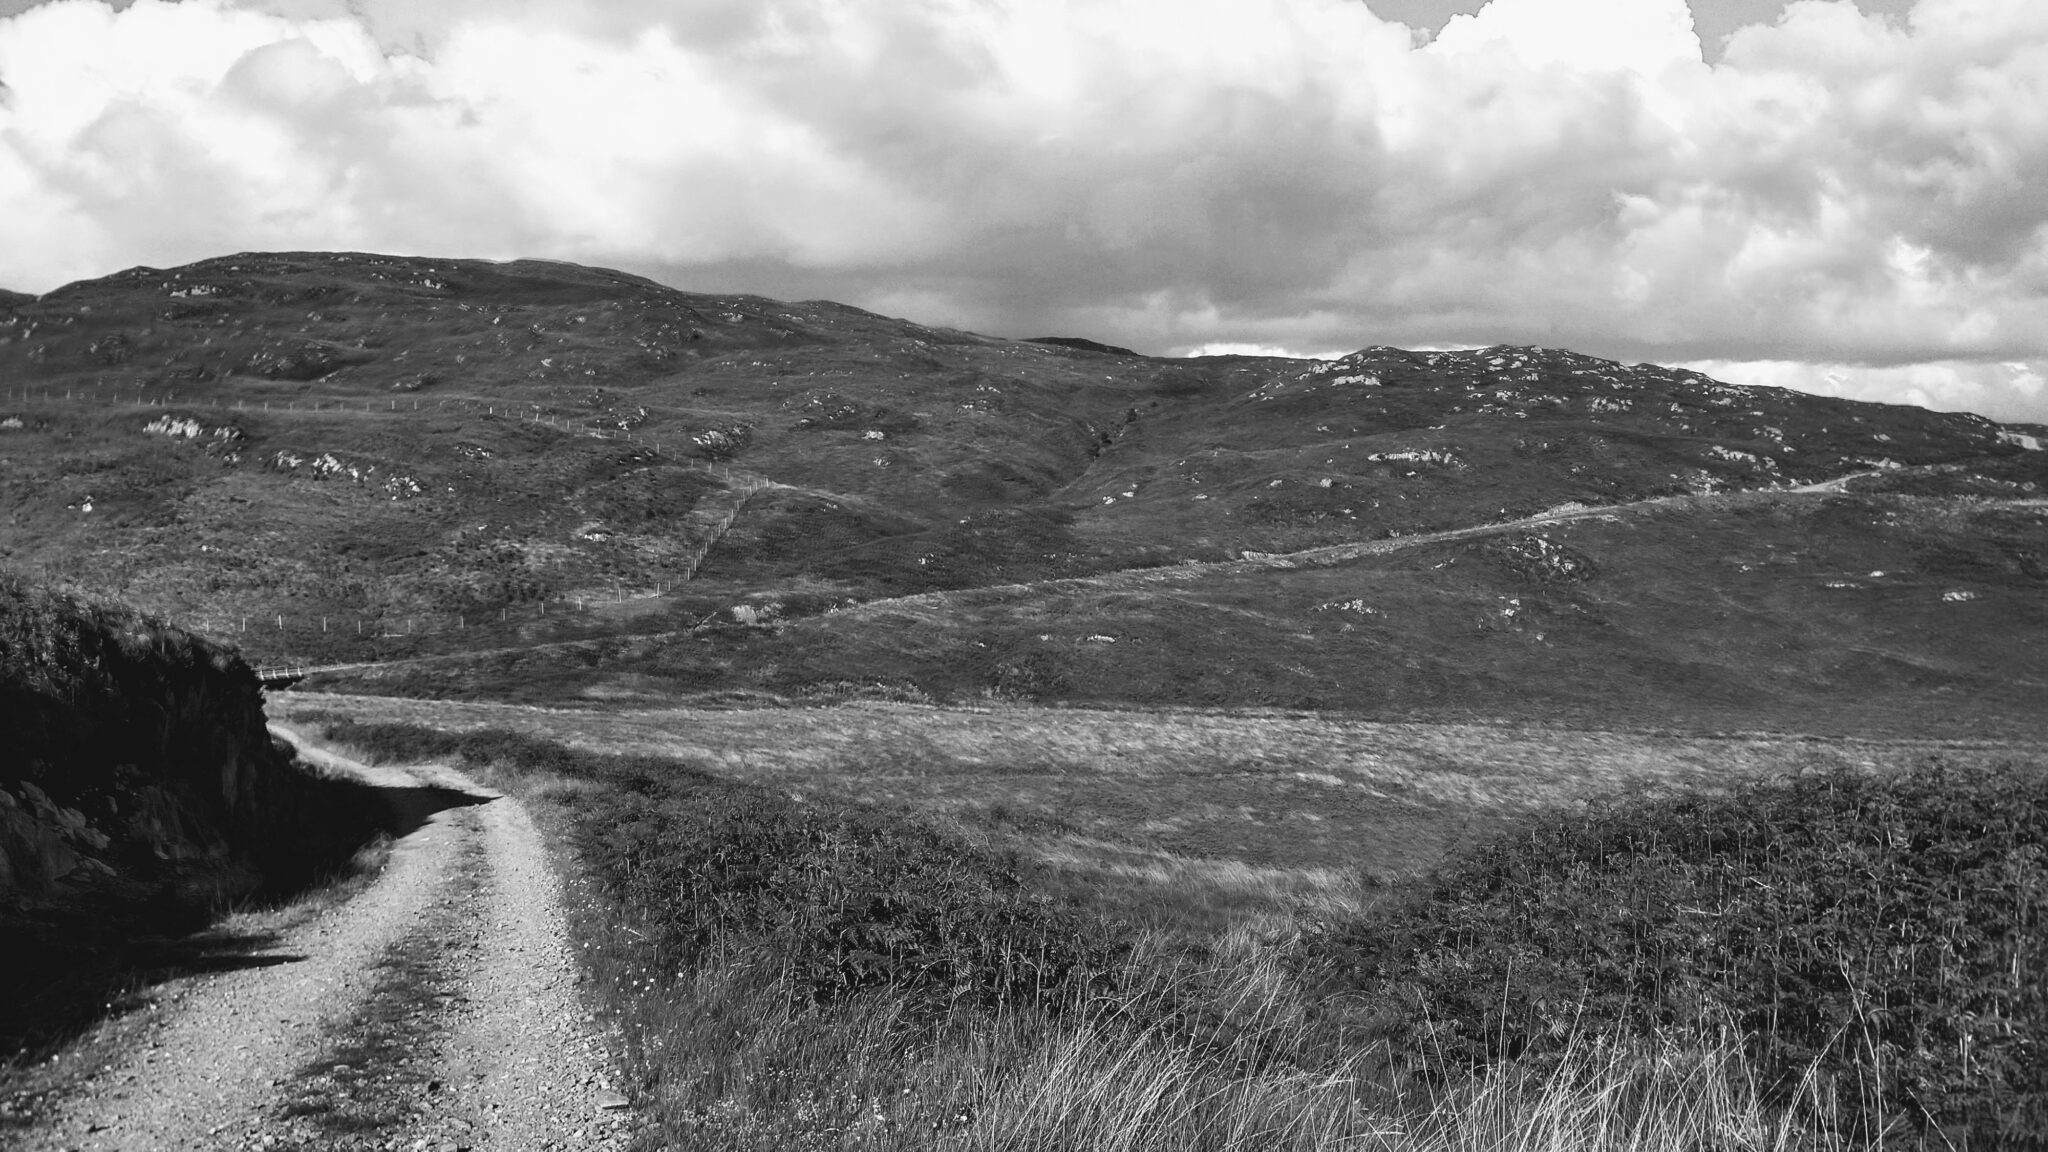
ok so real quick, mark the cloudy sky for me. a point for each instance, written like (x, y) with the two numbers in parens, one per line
(1848, 196)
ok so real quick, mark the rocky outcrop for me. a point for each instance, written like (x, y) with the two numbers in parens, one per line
(136, 770)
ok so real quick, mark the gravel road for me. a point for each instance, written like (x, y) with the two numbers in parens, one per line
(437, 1009)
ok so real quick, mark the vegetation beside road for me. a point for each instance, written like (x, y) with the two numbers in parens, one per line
(1884, 930)
(822, 972)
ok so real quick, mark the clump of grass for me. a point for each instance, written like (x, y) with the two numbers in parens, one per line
(1673, 1092)
(386, 743)
(846, 899)
(1885, 930)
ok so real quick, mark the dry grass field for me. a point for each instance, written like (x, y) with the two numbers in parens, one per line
(1186, 819)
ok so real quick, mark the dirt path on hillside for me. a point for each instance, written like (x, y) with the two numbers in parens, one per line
(437, 1010)
(1179, 573)
(1184, 572)
(1340, 553)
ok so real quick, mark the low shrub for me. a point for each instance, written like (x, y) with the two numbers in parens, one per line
(391, 743)
(848, 897)
(1886, 931)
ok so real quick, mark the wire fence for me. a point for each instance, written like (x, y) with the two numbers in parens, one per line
(351, 626)
(266, 628)
(711, 518)
(679, 446)
(327, 632)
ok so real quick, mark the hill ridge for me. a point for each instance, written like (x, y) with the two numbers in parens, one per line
(384, 457)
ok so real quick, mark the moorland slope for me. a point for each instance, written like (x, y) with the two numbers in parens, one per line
(348, 458)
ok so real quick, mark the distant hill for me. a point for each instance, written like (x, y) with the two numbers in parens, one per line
(349, 457)
(1082, 345)
(1842, 613)
(11, 300)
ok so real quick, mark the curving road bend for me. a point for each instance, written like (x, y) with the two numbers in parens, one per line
(458, 952)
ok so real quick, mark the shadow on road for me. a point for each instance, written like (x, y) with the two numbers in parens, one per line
(410, 808)
(63, 971)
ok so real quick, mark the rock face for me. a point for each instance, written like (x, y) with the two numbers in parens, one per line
(136, 770)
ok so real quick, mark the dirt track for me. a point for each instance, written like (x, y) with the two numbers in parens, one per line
(1179, 573)
(437, 1009)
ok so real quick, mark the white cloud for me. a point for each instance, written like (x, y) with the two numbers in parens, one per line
(1165, 174)
(1578, 35)
(1227, 348)
(2011, 390)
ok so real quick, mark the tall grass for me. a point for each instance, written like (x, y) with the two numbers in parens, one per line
(728, 1058)
(810, 974)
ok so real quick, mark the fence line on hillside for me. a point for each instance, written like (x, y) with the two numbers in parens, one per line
(712, 524)
(713, 516)
(536, 415)
(399, 623)
(275, 638)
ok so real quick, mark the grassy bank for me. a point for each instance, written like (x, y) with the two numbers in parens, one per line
(822, 973)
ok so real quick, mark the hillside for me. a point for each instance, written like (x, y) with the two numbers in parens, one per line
(349, 458)
(371, 439)
(1838, 614)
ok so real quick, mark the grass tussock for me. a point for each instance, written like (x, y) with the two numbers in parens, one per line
(818, 974)
(729, 1058)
